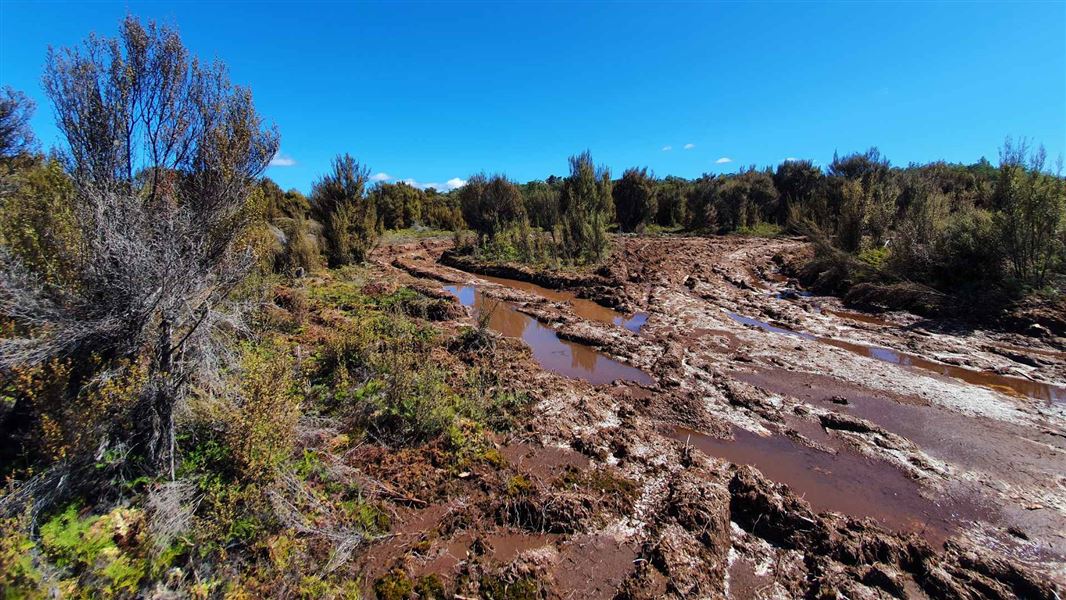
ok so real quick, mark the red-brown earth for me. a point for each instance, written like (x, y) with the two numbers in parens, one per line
(701, 428)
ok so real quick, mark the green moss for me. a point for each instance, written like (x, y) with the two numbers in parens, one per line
(761, 230)
(87, 547)
(875, 257)
(395, 585)
(366, 516)
(496, 588)
(429, 587)
(519, 485)
(71, 540)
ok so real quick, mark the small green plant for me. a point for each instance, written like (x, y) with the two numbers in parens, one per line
(761, 229)
(395, 585)
(105, 554)
(499, 588)
(19, 576)
(875, 257)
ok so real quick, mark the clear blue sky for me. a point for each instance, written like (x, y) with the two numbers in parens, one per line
(434, 91)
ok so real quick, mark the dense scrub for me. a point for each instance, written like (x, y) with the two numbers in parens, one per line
(262, 496)
(174, 415)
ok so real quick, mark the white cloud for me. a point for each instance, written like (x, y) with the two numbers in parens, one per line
(667, 148)
(380, 177)
(723, 160)
(282, 160)
(689, 146)
(452, 184)
(792, 159)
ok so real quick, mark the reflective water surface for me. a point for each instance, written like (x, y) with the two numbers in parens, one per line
(1015, 386)
(844, 482)
(553, 354)
(582, 307)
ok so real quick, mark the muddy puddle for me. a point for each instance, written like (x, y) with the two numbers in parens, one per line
(566, 358)
(844, 482)
(582, 307)
(1015, 386)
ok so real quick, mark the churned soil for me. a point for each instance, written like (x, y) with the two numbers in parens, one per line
(779, 444)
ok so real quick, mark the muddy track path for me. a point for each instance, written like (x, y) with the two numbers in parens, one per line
(920, 460)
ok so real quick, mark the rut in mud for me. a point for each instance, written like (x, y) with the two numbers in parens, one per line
(918, 462)
(566, 358)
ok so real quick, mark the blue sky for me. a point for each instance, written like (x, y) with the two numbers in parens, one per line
(436, 91)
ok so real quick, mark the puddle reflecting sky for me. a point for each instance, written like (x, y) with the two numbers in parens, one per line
(582, 307)
(1015, 386)
(553, 354)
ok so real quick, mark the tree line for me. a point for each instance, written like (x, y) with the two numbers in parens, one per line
(941, 224)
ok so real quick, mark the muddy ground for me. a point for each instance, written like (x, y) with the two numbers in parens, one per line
(771, 444)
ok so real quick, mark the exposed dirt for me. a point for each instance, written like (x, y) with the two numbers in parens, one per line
(905, 478)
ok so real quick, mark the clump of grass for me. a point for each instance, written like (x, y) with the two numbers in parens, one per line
(761, 229)
(502, 588)
(395, 585)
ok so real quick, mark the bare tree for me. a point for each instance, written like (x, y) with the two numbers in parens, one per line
(163, 154)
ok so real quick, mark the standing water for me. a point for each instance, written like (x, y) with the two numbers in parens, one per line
(843, 482)
(1015, 386)
(582, 307)
(551, 353)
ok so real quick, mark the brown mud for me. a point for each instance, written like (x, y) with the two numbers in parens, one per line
(566, 358)
(749, 463)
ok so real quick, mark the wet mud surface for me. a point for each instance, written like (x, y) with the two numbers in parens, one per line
(774, 443)
(551, 353)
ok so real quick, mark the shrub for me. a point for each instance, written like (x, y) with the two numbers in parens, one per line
(491, 204)
(16, 137)
(542, 205)
(744, 199)
(969, 250)
(155, 193)
(399, 205)
(671, 195)
(301, 252)
(260, 426)
(634, 199)
(37, 222)
(1032, 213)
(349, 219)
(587, 209)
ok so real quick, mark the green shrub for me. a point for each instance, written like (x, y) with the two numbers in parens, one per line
(350, 221)
(587, 209)
(969, 250)
(19, 576)
(260, 426)
(634, 199)
(491, 204)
